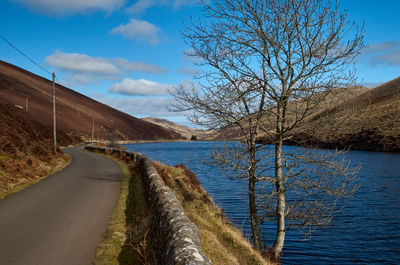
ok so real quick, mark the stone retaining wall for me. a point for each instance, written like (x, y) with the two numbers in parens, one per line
(176, 240)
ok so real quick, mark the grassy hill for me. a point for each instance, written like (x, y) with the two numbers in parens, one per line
(74, 111)
(369, 121)
(358, 118)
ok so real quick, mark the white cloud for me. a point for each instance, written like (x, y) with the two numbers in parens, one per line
(176, 4)
(188, 85)
(79, 79)
(141, 6)
(83, 69)
(138, 29)
(386, 53)
(380, 47)
(372, 84)
(144, 106)
(188, 71)
(189, 56)
(143, 87)
(76, 62)
(154, 104)
(140, 67)
(62, 7)
(139, 87)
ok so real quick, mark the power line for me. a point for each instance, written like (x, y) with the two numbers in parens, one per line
(54, 92)
(26, 56)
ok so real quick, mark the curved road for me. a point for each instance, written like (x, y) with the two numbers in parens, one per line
(60, 220)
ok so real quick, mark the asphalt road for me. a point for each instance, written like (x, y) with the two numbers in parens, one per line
(60, 220)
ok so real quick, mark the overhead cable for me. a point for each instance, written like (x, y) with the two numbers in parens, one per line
(26, 56)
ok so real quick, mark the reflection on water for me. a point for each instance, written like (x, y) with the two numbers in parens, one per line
(367, 231)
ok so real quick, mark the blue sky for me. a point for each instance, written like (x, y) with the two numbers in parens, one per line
(127, 53)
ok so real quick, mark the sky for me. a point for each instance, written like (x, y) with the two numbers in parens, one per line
(128, 53)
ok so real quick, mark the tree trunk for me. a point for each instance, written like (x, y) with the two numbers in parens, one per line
(252, 195)
(280, 191)
(253, 214)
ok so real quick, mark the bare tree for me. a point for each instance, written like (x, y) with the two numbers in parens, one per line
(267, 67)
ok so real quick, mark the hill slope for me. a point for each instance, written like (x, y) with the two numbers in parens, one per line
(369, 119)
(26, 150)
(372, 122)
(180, 129)
(74, 111)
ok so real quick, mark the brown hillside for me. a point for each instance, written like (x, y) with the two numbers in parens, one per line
(361, 119)
(74, 110)
(373, 121)
(388, 93)
(19, 132)
(26, 150)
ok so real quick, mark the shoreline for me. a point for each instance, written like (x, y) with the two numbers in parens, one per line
(327, 147)
(169, 141)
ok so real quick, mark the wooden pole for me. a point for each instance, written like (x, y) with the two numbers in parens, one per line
(54, 112)
(92, 129)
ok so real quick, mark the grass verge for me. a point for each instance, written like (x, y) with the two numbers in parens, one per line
(24, 183)
(221, 241)
(127, 238)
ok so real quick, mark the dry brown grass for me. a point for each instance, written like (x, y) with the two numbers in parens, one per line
(19, 173)
(369, 121)
(221, 241)
(26, 151)
(353, 118)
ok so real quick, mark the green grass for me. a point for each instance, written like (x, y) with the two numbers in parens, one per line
(126, 240)
(107, 252)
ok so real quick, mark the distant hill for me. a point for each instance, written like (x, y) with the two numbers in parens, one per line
(185, 131)
(74, 111)
(369, 119)
(372, 121)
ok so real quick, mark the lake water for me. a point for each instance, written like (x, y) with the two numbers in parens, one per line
(367, 231)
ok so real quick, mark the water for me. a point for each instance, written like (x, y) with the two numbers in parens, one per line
(367, 231)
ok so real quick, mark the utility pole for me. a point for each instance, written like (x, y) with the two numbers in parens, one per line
(112, 130)
(54, 112)
(26, 103)
(92, 129)
(78, 112)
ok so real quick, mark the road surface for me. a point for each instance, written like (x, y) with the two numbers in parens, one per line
(60, 220)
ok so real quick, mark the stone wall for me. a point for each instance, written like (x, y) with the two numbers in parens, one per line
(176, 240)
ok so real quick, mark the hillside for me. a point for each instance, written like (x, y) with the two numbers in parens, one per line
(185, 131)
(370, 121)
(362, 119)
(26, 150)
(74, 111)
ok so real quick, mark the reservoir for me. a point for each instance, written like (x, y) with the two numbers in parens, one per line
(366, 231)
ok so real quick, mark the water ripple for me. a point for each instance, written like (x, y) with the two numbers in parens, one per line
(367, 231)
